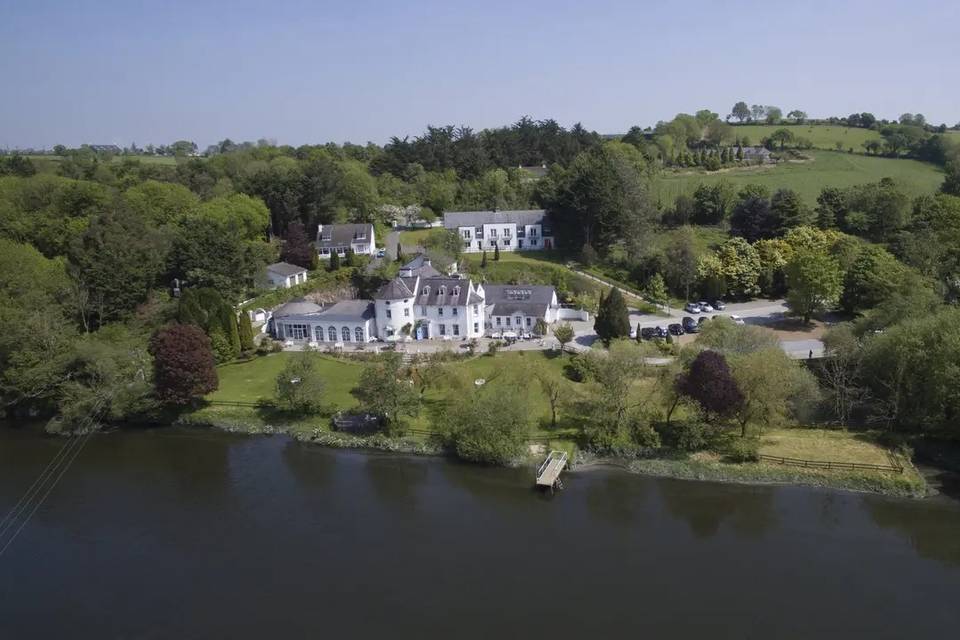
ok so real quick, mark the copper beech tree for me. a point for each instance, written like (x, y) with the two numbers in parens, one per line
(183, 364)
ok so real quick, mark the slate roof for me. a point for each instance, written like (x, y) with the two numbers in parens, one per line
(297, 307)
(420, 266)
(349, 311)
(529, 299)
(342, 235)
(432, 286)
(285, 269)
(396, 289)
(454, 219)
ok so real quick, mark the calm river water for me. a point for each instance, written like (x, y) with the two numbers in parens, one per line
(179, 534)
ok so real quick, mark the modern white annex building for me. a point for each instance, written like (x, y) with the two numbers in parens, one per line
(527, 230)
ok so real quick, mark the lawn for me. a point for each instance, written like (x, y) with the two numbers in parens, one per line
(415, 237)
(826, 169)
(822, 445)
(255, 380)
(821, 136)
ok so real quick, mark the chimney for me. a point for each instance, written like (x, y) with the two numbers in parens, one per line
(319, 231)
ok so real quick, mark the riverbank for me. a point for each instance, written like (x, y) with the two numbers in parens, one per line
(704, 466)
(710, 468)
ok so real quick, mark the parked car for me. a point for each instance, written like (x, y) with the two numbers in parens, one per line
(675, 329)
(719, 305)
(692, 307)
(690, 325)
(661, 332)
(648, 333)
(381, 253)
(704, 306)
(737, 320)
(701, 320)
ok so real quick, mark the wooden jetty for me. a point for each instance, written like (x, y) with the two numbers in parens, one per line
(548, 473)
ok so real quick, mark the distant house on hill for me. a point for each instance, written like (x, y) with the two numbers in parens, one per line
(283, 275)
(105, 148)
(757, 155)
(533, 172)
(340, 237)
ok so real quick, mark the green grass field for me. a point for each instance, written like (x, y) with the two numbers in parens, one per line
(826, 169)
(256, 379)
(167, 160)
(822, 445)
(821, 136)
(415, 237)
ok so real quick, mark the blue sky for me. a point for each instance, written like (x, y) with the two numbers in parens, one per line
(310, 72)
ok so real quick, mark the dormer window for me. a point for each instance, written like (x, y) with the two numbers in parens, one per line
(442, 292)
(456, 292)
(426, 291)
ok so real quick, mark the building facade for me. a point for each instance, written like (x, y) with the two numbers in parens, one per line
(341, 237)
(516, 308)
(424, 303)
(420, 303)
(343, 323)
(527, 230)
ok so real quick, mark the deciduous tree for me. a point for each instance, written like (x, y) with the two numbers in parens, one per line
(814, 283)
(183, 364)
(300, 385)
(563, 332)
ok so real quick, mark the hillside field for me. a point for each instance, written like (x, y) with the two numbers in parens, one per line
(821, 136)
(826, 169)
(167, 160)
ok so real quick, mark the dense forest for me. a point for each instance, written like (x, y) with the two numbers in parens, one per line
(92, 245)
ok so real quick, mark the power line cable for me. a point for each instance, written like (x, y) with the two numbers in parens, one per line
(63, 470)
(35, 488)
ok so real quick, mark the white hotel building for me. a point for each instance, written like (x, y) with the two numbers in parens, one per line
(527, 230)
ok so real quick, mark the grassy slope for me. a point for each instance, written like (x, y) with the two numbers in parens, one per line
(415, 237)
(822, 445)
(254, 380)
(828, 168)
(821, 136)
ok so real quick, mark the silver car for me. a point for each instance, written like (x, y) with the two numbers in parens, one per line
(692, 307)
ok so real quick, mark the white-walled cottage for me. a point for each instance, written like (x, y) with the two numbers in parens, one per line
(283, 275)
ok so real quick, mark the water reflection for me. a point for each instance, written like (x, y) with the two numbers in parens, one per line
(312, 467)
(704, 507)
(396, 481)
(923, 525)
(615, 497)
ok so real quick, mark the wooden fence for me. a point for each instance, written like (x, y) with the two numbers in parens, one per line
(819, 464)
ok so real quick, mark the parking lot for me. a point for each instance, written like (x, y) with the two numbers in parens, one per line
(798, 341)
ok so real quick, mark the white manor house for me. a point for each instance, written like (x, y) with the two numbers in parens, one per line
(420, 303)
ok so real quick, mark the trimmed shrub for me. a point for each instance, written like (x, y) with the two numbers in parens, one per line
(743, 450)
